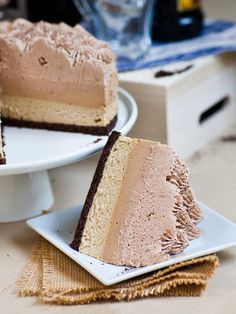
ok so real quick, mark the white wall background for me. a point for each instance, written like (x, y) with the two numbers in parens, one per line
(220, 8)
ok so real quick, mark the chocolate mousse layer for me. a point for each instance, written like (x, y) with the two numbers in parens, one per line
(141, 209)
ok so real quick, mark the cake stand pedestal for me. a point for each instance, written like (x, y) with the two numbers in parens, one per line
(24, 195)
(25, 187)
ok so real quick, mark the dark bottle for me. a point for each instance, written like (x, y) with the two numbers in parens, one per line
(177, 19)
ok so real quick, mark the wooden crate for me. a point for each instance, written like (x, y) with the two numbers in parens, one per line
(186, 109)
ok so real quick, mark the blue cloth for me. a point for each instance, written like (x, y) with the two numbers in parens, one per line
(217, 37)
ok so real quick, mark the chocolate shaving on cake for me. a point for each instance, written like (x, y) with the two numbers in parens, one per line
(76, 43)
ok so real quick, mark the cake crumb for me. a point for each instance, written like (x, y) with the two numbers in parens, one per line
(229, 138)
(97, 140)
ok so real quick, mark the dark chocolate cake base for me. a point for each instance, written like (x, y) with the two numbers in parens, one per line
(93, 130)
(93, 189)
(2, 160)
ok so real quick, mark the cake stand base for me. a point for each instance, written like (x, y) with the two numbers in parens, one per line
(24, 195)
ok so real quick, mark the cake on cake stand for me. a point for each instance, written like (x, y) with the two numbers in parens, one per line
(25, 188)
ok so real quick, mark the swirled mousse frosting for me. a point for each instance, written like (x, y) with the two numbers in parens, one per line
(57, 77)
(140, 208)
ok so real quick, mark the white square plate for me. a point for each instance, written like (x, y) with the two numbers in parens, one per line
(218, 233)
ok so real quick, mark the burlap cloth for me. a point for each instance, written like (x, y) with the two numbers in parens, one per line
(54, 277)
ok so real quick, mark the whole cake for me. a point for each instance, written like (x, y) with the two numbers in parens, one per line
(140, 208)
(56, 77)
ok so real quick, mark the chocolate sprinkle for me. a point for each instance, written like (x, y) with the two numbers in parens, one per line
(229, 138)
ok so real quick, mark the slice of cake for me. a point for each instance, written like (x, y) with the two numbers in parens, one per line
(56, 77)
(140, 208)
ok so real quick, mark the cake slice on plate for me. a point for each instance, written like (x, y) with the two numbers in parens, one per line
(140, 208)
(56, 77)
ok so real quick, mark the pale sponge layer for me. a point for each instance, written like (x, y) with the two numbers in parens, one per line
(36, 110)
(99, 219)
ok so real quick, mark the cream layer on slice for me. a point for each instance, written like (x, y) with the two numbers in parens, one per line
(56, 74)
(142, 210)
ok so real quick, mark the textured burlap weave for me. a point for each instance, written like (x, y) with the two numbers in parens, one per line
(54, 277)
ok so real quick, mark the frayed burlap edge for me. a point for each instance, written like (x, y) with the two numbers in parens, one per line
(55, 278)
(30, 280)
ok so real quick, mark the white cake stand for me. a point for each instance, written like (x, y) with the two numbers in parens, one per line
(25, 188)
